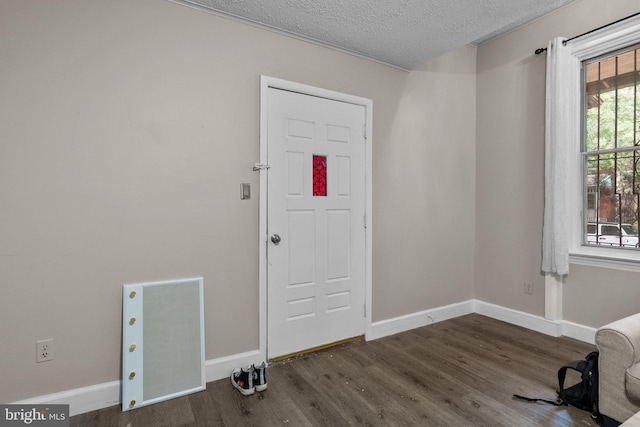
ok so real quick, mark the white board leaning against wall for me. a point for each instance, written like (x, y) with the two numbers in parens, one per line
(162, 341)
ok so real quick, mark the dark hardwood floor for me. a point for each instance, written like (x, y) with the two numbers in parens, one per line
(460, 372)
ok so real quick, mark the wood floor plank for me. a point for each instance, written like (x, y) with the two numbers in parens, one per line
(460, 372)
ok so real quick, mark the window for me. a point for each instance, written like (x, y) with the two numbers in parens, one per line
(319, 175)
(611, 148)
(595, 103)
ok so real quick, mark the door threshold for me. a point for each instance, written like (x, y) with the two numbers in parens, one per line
(314, 349)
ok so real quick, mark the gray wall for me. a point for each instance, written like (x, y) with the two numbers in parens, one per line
(126, 129)
(510, 175)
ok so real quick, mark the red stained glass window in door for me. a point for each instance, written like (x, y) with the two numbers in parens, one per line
(319, 175)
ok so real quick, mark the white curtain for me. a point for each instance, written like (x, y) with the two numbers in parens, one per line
(560, 113)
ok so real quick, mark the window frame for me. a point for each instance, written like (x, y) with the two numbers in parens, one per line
(598, 43)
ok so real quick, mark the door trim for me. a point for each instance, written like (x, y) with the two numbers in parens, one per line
(267, 82)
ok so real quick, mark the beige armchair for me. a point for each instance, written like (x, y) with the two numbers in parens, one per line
(619, 371)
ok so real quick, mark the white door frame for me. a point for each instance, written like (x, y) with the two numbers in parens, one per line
(265, 83)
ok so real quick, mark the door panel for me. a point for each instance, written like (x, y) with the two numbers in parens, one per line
(316, 204)
(338, 244)
(302, 245)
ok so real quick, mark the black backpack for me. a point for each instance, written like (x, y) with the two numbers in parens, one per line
(584, 394)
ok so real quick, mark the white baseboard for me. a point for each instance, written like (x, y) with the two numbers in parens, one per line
(222, 367)
(579, 332)
(536, 323)
(99, 396)
(519, 318)
(555, 328)
(407, 322)
(81, 400)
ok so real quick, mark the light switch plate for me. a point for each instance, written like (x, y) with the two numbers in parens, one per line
(245, 191)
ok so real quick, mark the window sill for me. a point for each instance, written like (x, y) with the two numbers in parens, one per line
(618, 259)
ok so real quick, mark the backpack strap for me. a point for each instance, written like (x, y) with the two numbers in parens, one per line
(557, 402)
(562, 373)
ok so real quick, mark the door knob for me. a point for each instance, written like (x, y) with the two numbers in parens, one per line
(275, 239)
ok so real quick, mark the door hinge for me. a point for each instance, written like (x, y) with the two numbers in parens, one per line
(365, 221)
(365, 309)
(364, 131)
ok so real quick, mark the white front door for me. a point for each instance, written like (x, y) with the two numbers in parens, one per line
(316, 221)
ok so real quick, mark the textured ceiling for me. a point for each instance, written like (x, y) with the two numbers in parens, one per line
(402, 33)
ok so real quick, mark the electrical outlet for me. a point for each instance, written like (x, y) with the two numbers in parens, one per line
(528, 288)
(44, 350)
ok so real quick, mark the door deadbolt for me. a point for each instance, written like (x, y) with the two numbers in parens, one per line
(275, 239)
